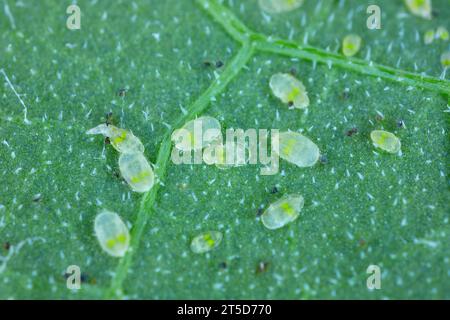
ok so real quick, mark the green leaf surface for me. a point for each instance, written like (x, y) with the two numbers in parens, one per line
(362, 206)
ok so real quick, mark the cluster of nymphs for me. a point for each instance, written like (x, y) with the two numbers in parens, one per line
(351, 44)
(111, 231)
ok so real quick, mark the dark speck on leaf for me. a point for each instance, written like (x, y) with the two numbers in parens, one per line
(323, 159)
(7, 245)
(262, 267)
(109, 118)
(274, 190)
(293, 71)
(107, 141)
(379, 117)
(259, 212)
(401, 124)
(345, 95)
(207, 63)
(223, 265)
(290, 103)
(219, 64)
(351, 132)
(122, 92)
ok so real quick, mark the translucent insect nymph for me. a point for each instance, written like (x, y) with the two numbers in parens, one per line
(298, 149)
(445, 59)
(197, 134)
(289, 90)
(136, 171)
(386, 141)
(420, 8)
(122, 140)
(278, 6)
(206, 241)
(351, 45)
(112, 233)
(283, 211)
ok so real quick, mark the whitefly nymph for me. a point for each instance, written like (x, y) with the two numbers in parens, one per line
(112, 233)
(197, 134)
(298, 149)
(283, 211)
(279, 6)
(420, 8)
(122, 140)
(351, 45)
(289, 90)
(386, 141)
(136, 171)
(206, 241)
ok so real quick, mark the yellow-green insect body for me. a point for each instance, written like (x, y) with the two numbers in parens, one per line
(442, 33)
(445, 60)
(197, 134)
(429, 36)
(279, 6)
(298, 149)
(122, 140)
(283, 211)
(420, 8)
(206, 241)
(112, 233)
(289, 90)
(386, 141)
(351, 45)
(136, 171)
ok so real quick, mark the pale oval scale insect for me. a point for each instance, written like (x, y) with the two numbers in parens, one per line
(442, 33)
(283, 211)
(206, 241)
(351, 45)
(136, 171)
(279, 6)
(122, 140)
(445, 59)
(386, 141)
(289, 90)
(197, 134)
(420, 8)
(112, 233)
(429, 36)
(298, 149)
